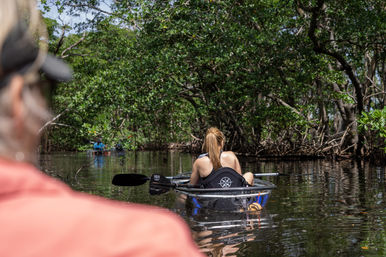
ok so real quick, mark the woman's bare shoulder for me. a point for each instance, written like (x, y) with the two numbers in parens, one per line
(202, 160)
(203, 166)
(228, 154)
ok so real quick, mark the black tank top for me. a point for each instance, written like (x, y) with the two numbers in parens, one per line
(201, 156)
(222, 178)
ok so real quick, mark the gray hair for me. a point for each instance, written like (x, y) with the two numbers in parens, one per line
(14, 144)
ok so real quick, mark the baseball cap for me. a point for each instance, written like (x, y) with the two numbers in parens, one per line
(19, 52)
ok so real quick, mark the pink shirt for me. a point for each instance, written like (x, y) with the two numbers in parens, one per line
(41, 216)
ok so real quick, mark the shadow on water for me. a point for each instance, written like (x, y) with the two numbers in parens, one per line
(320, 209)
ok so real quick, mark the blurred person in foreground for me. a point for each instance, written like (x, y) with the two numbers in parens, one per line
(40, 216)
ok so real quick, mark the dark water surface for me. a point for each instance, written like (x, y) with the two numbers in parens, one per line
(320, 208)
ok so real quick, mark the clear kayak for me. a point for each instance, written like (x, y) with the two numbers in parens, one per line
(229, 196)
(227, 199)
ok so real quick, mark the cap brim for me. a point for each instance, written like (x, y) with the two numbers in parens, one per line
(19, 52)
(56, 69)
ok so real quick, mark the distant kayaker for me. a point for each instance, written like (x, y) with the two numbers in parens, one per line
(41, 216)
(99, 146)
(208, 167)
(119, 147)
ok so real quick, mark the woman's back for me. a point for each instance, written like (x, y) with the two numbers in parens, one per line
(203, 166)
(215, 158)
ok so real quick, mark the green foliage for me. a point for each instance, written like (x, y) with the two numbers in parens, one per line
(374, 122)
(163, 70)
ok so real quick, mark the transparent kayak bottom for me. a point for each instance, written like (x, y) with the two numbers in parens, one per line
(198, 203)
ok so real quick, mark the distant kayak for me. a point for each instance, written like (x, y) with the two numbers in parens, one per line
(99, 152)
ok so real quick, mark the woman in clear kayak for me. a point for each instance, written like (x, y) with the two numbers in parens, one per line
(217, 168)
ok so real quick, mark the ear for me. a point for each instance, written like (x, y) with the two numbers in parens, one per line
(16, 88)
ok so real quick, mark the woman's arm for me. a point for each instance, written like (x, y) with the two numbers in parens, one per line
(237, 164)
(195, 174)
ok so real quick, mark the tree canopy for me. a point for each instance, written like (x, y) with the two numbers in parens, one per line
(278, 77)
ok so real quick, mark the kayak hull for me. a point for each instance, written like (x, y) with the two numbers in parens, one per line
(227, 199)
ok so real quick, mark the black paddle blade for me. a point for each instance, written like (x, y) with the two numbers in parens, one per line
(129, 179)
(157, 179)
(159, 184)
(157, 190)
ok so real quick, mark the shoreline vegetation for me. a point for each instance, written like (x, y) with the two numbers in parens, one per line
(376, 159)
(279, 78)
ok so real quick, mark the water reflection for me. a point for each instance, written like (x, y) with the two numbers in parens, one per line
(320, 208)
(329, 201)
(221, 233)
(99, 161)
(122, 158)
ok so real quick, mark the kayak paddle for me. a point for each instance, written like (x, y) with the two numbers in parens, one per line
(159, 184)
(157, 180)
(129, 179)
(134, 179)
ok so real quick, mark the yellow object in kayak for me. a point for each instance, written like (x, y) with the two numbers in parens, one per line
(254, 207)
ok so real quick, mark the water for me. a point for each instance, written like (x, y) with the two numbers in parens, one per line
(319, 208)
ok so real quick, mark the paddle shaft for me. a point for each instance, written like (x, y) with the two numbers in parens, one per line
(266, 174)
(187, 176)
(139, 179)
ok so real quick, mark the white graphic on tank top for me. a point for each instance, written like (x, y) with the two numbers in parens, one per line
(225, 182)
